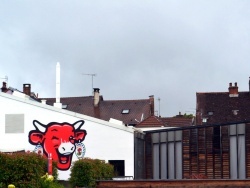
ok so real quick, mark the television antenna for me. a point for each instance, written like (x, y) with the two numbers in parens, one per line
(5, 78)
(92, 77)
(159, 100)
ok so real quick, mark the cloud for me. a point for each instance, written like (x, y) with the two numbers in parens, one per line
(171, 49)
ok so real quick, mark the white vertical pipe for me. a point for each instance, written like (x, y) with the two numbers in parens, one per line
(58, 82)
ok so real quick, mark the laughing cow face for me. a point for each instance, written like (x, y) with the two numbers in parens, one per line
(58, 139)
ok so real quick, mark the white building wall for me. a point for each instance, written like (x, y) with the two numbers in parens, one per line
(104, 140)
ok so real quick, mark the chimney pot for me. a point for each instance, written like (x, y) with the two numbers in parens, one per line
(96, 97)
(4, 87)
(27, 89)
(233, 90)
(152, 104)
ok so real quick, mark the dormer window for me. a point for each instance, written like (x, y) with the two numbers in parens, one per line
(210, 113)
(235, 112)
(204, 120)
(125, 111)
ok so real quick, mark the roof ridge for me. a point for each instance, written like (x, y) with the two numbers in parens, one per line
(130, 100)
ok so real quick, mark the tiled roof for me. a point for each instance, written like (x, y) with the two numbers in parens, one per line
(154, 121)
(219, 107)
(151, 121)
(177, 121)
(108, 108)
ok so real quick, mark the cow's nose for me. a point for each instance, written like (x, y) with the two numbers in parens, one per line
(66, 148)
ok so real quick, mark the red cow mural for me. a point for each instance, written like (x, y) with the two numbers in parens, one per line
(58, 139)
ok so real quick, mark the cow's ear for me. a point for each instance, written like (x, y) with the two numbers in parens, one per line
(77, 125)
(80, 135)
(35, 137)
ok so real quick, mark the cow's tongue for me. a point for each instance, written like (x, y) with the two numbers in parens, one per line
(63, 159)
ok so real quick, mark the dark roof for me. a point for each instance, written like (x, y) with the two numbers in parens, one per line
(108, 108)
(219, 107)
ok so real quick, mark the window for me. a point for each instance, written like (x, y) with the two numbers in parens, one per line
(204, 120)
(167, 155)
(217, 138)
(125, 111)
(210, 113)
(237, 151)
(235, 112)
(14, 123)
(119, 167)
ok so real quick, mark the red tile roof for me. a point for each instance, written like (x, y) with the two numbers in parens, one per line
(154, 121)
(151, 121)
(108, 108)
(177, 121)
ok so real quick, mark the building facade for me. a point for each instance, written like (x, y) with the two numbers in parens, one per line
(217, 151)
(222, 107)
(28, 125)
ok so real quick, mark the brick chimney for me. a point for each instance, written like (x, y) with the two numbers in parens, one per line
(4, 87)
(233, 90)
(27, 89)
(96, 97)
(152, 105)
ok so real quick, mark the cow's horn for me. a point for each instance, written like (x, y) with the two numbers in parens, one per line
(39, 126)
(78, 124)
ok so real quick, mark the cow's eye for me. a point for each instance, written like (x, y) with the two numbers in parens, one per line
(71, 139)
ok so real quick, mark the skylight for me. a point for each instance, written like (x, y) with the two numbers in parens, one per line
(125, 111)
(210, 113)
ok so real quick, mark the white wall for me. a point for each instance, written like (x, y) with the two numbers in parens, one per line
(104, 140)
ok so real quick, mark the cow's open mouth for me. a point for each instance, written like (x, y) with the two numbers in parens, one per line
(64, 159)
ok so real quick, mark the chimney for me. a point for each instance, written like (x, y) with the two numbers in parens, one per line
(233, 90)
(4, 87)
(96, 97)
(249, 84)
(152, 104)
(27, 89)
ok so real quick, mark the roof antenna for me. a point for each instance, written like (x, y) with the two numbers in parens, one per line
(5, 78)
(159, 99)
(92, 75)
(142, 117)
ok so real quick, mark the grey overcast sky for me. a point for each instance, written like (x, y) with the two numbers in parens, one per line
(167, 48)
